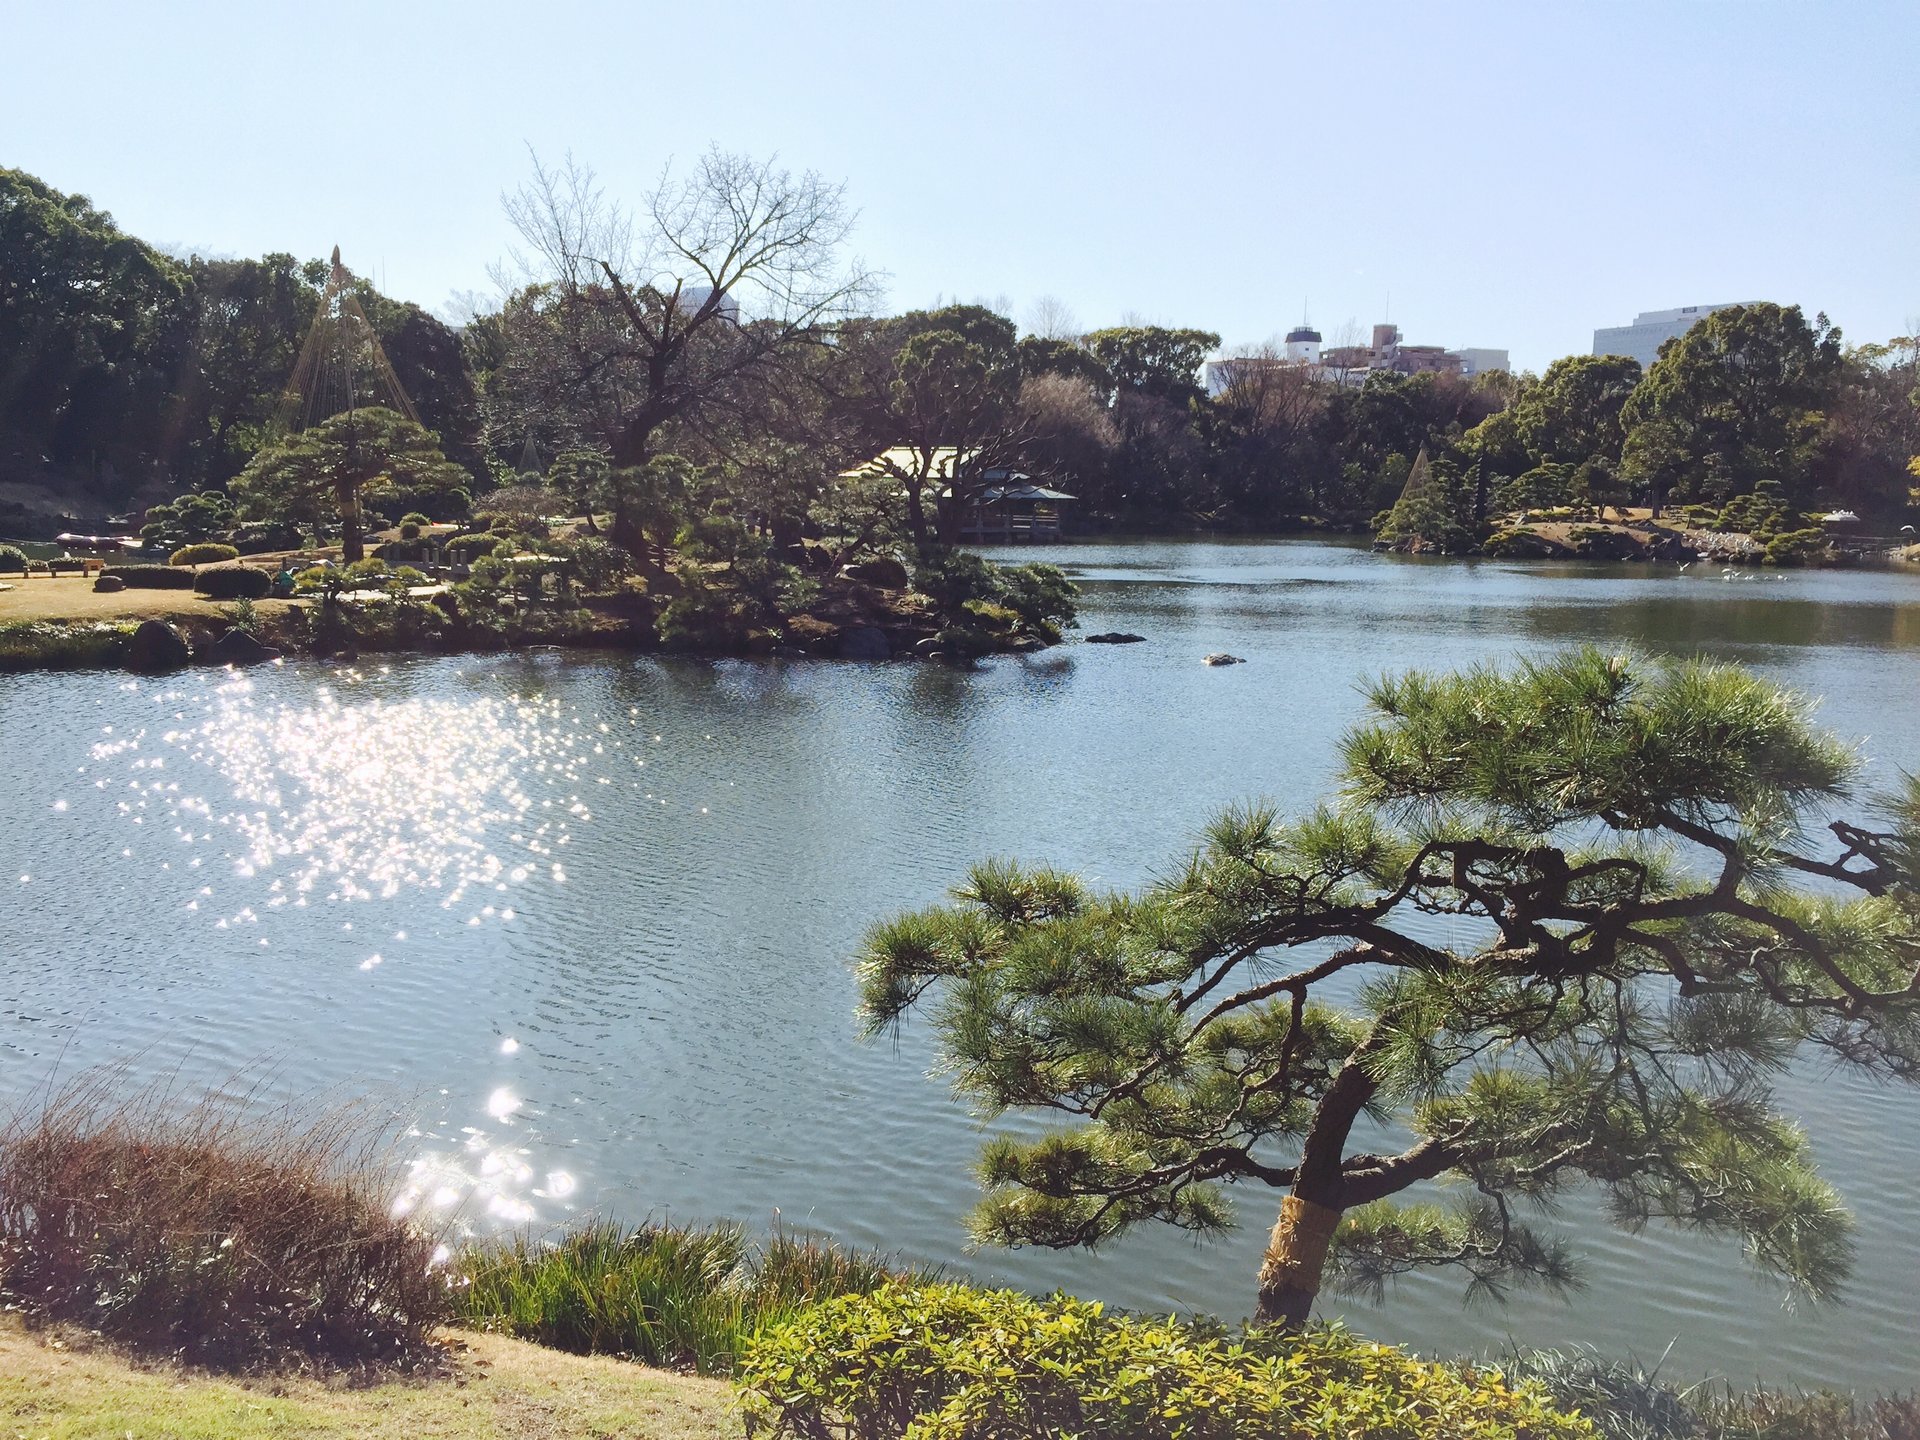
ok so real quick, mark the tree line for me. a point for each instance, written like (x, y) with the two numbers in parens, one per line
(716, 346)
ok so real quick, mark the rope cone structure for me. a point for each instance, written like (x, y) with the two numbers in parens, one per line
(342, 365)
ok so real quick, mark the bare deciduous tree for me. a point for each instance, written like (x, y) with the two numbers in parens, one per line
(1051, 318)
(633, 322)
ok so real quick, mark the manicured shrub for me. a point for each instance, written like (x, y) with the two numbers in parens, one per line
(1797, 547)
(13, 560)
(201, 1235)
(663, 1294)
(415, 517)
(947, 1362)
(409, 529)
(233, 582)
(151, 577)
(203, 554)
(478, 544)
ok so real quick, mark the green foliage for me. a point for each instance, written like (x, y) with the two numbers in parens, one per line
(1625, 1402)
(472, 547)
(1040, 597)
(947, 1362)
(1628, 849)
(951, 578)
(233, 582)
(330, 582)
(202, 554)
(49, 645)
(706, 615)
(959, 582)
(244, 616)
(1152, 359)
(150, 577)
(1439, 510)
(1798, 547)
(190, 520)
(12, 559)
(90, 320)
(597, 563)
(662, 1294)
(1740, 397)
(327, 473)
(859, 515)
(409, 530)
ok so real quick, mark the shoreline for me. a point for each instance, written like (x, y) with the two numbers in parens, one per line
(54, 624)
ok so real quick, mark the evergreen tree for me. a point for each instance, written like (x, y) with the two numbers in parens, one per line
(1642, 927)
(323, 474)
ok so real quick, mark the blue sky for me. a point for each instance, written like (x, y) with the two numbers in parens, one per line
(1509, 174)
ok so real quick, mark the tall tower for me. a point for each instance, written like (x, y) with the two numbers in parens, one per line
(1303, 345)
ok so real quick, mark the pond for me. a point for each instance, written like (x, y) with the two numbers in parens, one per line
(584, 921)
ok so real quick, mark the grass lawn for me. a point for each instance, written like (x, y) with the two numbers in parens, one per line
(499, 1388)
(72, 597)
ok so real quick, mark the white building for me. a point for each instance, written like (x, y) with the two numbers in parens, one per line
(692, 297)
(1481, 361)
(1650, 330)
(1303, 345)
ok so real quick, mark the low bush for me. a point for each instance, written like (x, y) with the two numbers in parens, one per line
(1625, 1402)
(47, 645)
(203, 554)
(473, 546)
(664, 1294)
(1039, 597)
(151, 577)
(199, 1234)
(13, 560)
(947, 1362)
(233, 582)
(409, 529)
(1797, 547)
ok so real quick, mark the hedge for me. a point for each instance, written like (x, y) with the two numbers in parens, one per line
(948, 1362)
(202, 554)
(12, 559)
(233, 582)
(151, 577)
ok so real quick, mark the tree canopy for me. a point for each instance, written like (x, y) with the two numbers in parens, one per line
(1560, 929)
(327, 472)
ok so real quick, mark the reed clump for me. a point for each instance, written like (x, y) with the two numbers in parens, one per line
(208, 1234)
(684, 1297)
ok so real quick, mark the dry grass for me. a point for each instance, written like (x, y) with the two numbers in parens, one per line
(69, 597)
(497, 1388)
(212, 1234)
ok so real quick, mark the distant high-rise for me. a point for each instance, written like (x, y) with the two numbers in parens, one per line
(1650, 330)
(1479, 360)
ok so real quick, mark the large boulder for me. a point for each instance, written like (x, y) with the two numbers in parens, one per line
(884, 571)
(237, 647)
(156, 647)
(1115, 637)
(865, 642)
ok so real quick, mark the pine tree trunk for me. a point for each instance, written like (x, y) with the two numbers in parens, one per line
(352, 548)
(1296, 1257)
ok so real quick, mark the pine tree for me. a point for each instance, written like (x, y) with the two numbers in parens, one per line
(1644, 925)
